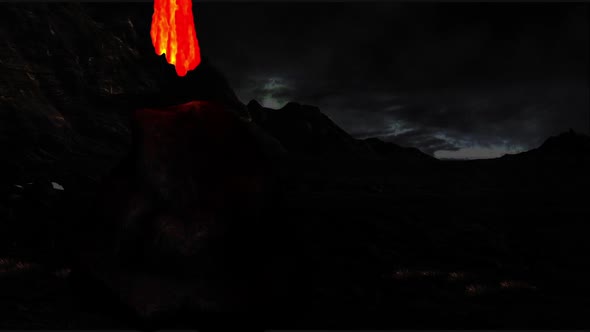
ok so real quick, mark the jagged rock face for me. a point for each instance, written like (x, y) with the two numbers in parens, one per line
(186, 204)
(198, 140)
(70, 75)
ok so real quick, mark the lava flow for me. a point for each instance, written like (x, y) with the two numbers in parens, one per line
(173, 33)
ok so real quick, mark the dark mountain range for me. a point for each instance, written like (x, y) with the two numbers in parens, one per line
(135, 199)
(567, 147)
(304, 130)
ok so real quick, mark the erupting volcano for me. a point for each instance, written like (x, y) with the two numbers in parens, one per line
(173, 32)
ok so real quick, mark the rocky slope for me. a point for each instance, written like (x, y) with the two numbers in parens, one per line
(70, 76)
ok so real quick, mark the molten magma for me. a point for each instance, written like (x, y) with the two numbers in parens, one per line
(173, 33)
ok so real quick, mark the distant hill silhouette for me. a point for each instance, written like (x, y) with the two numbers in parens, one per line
(565, 148)
(305, 130)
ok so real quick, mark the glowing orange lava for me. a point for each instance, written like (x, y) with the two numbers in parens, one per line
(173, 33)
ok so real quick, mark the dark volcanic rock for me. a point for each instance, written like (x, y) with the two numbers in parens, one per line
(181, 217)
(70, 74)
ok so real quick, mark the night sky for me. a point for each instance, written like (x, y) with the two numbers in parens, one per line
(455, 80)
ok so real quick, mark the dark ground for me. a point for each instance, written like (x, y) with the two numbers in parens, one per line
(354, 234)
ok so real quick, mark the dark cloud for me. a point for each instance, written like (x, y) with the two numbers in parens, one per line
(434, 76)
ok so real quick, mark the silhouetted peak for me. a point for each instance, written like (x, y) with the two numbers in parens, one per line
(291, 106)
(303, 129)
(566, 147)
(567, 142)
(254, 104)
